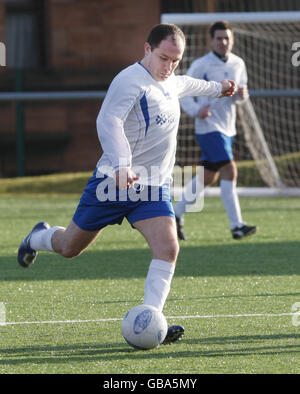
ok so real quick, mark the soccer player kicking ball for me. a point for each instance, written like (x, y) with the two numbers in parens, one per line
(137, 128)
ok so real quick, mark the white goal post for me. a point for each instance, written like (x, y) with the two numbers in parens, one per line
(269, 122)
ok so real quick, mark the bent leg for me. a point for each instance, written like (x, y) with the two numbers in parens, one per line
(72, 241)
(68, 242)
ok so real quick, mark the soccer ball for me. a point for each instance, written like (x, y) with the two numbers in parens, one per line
(144, 327)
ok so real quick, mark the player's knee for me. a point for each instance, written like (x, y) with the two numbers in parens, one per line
(169, 251)
(229, 172)
(174, 252)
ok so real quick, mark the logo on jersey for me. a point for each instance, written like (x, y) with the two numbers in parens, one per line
(165, 118)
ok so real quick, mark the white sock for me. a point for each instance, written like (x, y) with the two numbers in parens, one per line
(41, 240)
(158, 282)
(190, 195)
(231, 203)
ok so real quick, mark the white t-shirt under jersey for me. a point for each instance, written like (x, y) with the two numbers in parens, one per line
(138, 121)
(211, 68)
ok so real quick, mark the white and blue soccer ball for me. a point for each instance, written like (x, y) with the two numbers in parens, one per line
(144, 327)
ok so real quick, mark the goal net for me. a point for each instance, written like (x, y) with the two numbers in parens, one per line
(267, 145)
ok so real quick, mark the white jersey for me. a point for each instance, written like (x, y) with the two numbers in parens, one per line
(223, 118)
(138, 122)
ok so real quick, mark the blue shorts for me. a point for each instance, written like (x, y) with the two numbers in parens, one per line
(216, 147)
(94, 212)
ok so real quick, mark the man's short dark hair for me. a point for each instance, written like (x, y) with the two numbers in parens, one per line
(220, 25)
(162, 31)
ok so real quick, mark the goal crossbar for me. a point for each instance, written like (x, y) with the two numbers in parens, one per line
(238, 17)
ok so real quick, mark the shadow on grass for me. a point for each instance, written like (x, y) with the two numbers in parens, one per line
(230, 346)
(280, 258)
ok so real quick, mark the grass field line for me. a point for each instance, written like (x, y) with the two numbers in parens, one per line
(167, 317)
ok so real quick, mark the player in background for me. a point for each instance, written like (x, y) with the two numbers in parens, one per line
(215, 128)
(137, 127)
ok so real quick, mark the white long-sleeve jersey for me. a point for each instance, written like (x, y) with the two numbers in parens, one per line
(223, 118)
(138, 122)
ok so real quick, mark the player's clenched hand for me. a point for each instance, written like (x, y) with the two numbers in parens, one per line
(204, 112)
(228, 88)
(125, 178)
